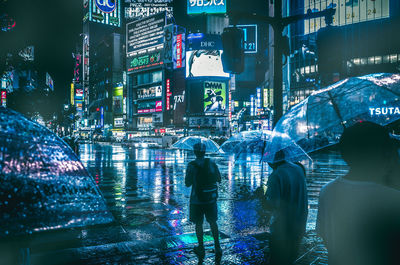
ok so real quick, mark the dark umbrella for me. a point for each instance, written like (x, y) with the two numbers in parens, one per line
(44, 186)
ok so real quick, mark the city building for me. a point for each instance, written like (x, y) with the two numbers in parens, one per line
(360, 41)
(103, 65)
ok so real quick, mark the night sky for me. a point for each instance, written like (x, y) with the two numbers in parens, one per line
(53, 27)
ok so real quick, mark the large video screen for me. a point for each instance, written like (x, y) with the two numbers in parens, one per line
(347, 12)
(204, 63)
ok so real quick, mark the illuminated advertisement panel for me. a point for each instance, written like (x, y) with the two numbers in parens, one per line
(4, 98)
(118, 100)
(204, 63)
(105, 12)
(347, 12)
(145, 33)
(138, 9)
(205, 6)
(214, 97)
(144, 60)
(72, 94)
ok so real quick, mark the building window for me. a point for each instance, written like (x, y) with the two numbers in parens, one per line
(393, 58)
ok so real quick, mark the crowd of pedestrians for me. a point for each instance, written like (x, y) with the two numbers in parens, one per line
(358, 214)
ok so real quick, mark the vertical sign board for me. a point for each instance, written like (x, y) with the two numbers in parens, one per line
(178, 54)
(252, 105)
(168, 94)
(258, 100)
(106, 12)
(250, 38)
(168, 42)
(347, 12)
(102, 116)
(72, 94)
(49, 82)
(205, 6)
(4, 98)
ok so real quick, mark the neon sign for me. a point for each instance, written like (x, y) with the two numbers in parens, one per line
(204, 6)
(384, 111)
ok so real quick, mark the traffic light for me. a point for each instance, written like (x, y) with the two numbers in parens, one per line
(233, 55)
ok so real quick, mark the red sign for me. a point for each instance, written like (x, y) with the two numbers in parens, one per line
(3, 98)
(162, 130)
(169, 94)
(3, 94)
(158, 106)
(179, 51)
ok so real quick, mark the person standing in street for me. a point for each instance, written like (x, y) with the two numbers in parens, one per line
(203, 175)
(359, 214)
(286, 198)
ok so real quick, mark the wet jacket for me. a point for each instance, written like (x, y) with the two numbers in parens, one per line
(287, 194)
(192, 174)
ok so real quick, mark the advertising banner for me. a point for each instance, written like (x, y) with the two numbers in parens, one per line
(158, 106)
(4, 98)
(168, 94)
(138, 9)
(204, 6)
(347, 12)
(104, 11)
(178, 53)
(144, 60)
(118, 100)
(214, 97)
(145, 33)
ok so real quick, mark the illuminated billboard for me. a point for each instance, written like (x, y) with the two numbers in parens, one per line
(205, 6)
(104, 11)
(214, 97)
(145, 34)
(347, 12)
(118, 94)
(143, 61)
(138, 9)
(204, 63)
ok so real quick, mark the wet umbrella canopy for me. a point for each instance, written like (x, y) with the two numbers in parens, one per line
(247, 142)
(44, 186)
(319, 120)
(281, 147)
(188, 142)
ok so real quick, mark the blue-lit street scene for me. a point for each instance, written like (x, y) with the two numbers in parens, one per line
(183, 132)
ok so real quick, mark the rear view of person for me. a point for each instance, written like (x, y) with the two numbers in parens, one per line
(287, 199)
(203, 174)
(359, 214)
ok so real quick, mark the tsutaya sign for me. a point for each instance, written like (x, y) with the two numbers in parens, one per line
(384, 111)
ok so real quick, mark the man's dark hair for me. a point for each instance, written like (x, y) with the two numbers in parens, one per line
(364, 139)
(199, 150)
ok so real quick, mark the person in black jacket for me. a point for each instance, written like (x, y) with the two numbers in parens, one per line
(202, 175)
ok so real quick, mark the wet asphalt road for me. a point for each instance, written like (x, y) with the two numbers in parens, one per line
(145, 191)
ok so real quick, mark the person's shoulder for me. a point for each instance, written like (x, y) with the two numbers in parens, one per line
(330, 186)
